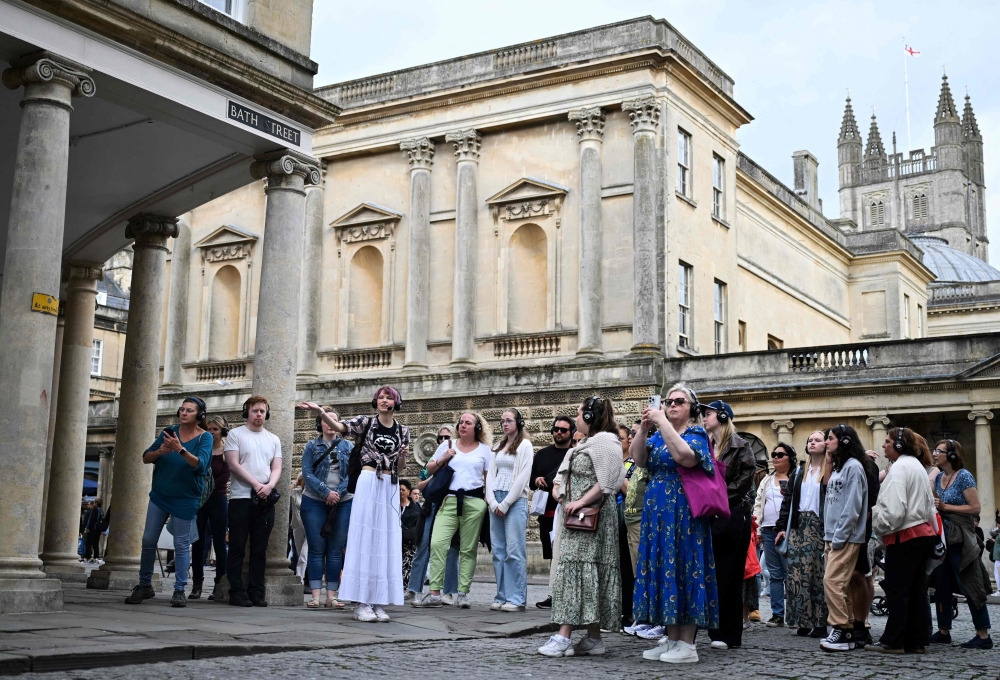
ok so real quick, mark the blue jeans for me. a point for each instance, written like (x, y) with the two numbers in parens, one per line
(214, 516)
(777, 567)
(510, 562)
(418, 572)
(156, 517)
(329, 550)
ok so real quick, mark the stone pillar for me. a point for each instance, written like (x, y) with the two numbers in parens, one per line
(784, 429)
(56, 363)
(33, 251)
(644, 115)
(62, 519)
(984, 466)
(104, 476)
(418, 285)
(137, 403)
(463, 321)
(878, 424)
(590, 129)
(312, 276)
(177, 309)
(276, 355)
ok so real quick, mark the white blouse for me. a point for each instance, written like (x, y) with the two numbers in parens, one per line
(809, 494)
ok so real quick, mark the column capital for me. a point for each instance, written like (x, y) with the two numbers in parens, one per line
(589, 123)
(46, 67)
(880, 420)
(466, 143)
(83, 271)
(151, 231)
(283, 167)
(783, 424)
(106, 452)
(983, 413)
(420, 152)
(643, 113)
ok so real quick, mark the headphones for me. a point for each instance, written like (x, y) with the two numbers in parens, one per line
(696, 406)
(246, 411)
(202, 409)
(479, 422)
(844, 438)
(519, 420)
(898, 443)
(952, 455)
(398, 403)
(319, 421)
(722, 416)
(588, 409)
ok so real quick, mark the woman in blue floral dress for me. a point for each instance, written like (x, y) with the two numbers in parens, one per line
(675, 583)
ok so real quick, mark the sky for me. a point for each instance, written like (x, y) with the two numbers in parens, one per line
(792, 62)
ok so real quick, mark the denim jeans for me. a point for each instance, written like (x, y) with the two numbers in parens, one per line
(946, 578)
(156, 517)
(213, 515)
(510, 562)
(418, 572)
(777, 567)
(328, 550)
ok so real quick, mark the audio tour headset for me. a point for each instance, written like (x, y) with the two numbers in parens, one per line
(519, 419)
(844, 438)
(898, 444)
(246, 411)
(397, 399)
(479, 422)
(202, 409)
(952, 455)
(588, 409)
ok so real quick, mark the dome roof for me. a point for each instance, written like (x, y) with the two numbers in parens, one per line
(949, 264)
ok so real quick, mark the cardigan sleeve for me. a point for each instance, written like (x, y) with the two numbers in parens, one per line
(491, 478)
(522, 474)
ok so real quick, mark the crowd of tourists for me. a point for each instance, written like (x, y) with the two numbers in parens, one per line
(657, 529)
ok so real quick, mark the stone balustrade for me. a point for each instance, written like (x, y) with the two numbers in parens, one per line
(526, 346)
(829, 358)
(211, 371)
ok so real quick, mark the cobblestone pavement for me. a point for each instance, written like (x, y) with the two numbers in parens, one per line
(766, 652)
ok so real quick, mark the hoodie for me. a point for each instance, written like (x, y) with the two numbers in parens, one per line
(845, 510)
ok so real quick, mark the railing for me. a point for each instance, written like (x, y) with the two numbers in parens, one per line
(221, 370)
(362, 360)
(829, 358)
(372, 87)
(951, 292)
(526, 346)
(880, 172)
(526, 54)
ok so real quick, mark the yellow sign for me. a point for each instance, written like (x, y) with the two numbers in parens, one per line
(46, 304)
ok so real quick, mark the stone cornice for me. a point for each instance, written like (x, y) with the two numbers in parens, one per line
(589, 123)
(44, 67)
(643, 113)
(467, 143)
(419, 151)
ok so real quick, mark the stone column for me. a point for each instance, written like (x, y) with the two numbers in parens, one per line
(177, 309)
(104, 476)
(62, 518)
(644, 115)
(137, 409)
(33, 251)
(276, 355)
(56, 363)
(878, 424)
(590, 129)
(463, 320)
(784, 429)
(312, 278)
(418, 285)
(984, 465)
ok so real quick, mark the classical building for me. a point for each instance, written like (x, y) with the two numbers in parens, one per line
(119, 121)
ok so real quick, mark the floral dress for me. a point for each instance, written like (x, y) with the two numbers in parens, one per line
(587, 585)
(675, 581)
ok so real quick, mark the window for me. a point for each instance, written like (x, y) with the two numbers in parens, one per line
(720, 317)
(742, 332)
(96, 356)
(232, 8)
(920, 207)
(906, 316)
(920, 321)
(774, 343)
(876, 214)
(685, 322)
(683, 163)
(718, 184)
(102, 298)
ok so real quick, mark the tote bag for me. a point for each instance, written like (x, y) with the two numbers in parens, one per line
(706, 494)
(539, 499)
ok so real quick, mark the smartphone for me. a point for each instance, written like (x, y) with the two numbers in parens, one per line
(654, 402)
(783, 485)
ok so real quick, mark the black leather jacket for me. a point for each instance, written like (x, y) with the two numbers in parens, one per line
(790, 503)
(740, 466)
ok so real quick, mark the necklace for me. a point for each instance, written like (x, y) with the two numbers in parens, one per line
(949, 477)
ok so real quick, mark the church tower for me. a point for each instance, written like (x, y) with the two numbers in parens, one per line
(849, 157)
(948, 131)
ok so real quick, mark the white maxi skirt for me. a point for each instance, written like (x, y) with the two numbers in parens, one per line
(373, 559)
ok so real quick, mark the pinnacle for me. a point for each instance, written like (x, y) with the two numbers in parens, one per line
(875, 149)
(970, 128)
(946, 111)
(849, 127)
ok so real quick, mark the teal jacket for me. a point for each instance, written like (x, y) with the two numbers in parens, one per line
(176, 485)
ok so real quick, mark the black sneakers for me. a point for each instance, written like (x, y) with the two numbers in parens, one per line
(979, 643)
(178, 599)
(140, 593)
(545, 604)
(239, 600)
(838, 641)
(257, 600)
(776, 622)
(941, 638)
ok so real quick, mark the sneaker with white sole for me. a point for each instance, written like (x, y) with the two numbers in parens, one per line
(557, 646)
(718, 644)
(380, 614)
(428, 600)
(364, 614)
(495, 607)
(510, 607)
(659, 650)
(654, 633)
(636, 627)
(589, 645)
(448, 599)
(462, 601)
(681, 653)
(838, 641)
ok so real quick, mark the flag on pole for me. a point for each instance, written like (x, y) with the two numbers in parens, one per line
(910, 51)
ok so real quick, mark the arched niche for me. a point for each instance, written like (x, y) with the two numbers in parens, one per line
(224, 314)
(364, 306)
(527, 280)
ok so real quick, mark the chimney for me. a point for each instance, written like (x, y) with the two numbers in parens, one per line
(807, 178)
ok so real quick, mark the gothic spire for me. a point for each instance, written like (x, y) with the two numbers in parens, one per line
(970, 128)
(849, 127)
(875, 149)
(946, 111)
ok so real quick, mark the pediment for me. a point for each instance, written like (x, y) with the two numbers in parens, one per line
(527, 189)
(226, 235)
(366, 213)
(988, 368)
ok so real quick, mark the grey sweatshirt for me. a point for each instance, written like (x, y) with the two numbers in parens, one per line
(845, 514)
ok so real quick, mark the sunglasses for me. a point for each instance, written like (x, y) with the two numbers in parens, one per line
(778, 454)
(679, 401)
(443, 438)
(563, 430)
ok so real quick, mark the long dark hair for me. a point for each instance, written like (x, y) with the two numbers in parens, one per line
(850, 449)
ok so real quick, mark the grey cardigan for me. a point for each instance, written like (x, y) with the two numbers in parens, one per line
(845, 511)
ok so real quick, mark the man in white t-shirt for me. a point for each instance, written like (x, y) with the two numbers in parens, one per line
(254, 458)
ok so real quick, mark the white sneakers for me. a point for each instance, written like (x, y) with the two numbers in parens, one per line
(659, 650)
(718, 644)
(651, 633)
(509, 607)
(448, 599)
(364, 613)
(636, 627)
(557, 646)
(462, 600)
(380, 614)
(589, 645)
(428, 600)
(682, 652)
(495, 607)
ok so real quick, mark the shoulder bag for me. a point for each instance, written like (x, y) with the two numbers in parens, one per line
(706, 494)
(439, 485)
(584, 519)
(782, 547)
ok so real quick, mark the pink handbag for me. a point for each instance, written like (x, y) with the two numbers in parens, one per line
(706, 494)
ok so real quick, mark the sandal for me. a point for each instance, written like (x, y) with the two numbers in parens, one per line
(334, 604)
(313, 603)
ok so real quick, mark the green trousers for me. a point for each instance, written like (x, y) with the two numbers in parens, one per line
(446, 523)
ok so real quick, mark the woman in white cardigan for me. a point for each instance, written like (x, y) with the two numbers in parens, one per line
(507, 496)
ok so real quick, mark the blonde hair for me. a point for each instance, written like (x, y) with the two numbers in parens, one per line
(696, 418)
(726, 433)
(485, 435)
